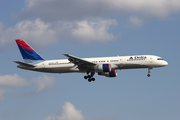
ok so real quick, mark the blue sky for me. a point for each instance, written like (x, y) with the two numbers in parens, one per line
(90, 28)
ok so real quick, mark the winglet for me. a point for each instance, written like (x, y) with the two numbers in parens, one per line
(27, 52)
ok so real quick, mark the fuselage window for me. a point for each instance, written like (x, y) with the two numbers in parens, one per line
(114, 61)
(159, 59)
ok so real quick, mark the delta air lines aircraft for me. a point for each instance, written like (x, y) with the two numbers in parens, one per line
(105, 66)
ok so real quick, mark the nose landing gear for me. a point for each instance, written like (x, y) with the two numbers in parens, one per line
(149, 71)
(90, 77)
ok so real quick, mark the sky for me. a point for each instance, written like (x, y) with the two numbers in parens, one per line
(90, 28)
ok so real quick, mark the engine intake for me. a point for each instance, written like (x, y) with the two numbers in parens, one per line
(108, 74)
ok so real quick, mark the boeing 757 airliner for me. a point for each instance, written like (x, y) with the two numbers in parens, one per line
(105, 66)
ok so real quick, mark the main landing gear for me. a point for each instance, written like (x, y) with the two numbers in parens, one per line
(90, 77)
(149, 71)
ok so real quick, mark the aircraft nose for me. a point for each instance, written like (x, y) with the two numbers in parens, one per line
(165, 63)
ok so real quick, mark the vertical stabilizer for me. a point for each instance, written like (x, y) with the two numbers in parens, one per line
(27, 52)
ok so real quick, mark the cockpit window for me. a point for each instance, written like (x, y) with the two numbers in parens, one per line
(159, 59)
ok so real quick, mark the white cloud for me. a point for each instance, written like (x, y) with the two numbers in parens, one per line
(69, 112)
(80, 23)
(88, 31)
(2, 92)
(9, 82)
(40, 34)
(36, 32)
(12, 81)
(43, 82)
(157, 8)
(83, 9)
(134, 22)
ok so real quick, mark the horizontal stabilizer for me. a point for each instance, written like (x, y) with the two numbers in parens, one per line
(24, 64)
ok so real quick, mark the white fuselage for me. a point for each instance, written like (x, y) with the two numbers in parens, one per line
(118, 62)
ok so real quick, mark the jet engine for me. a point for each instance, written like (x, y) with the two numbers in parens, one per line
(103, 68)
(108, 74)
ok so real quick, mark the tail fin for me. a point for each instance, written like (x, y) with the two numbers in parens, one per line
(27, 52)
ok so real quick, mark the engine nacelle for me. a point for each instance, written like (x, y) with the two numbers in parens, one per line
(108, 74)
(103, 68)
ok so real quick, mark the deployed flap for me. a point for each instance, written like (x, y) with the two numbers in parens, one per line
(79, 61)
(24, 64)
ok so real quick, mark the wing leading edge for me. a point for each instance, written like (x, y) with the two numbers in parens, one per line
(79, 61)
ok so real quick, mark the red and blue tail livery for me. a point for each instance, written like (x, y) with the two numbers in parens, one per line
(27, 52)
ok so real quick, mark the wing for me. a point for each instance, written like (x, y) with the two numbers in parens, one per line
(24, 64)
(81, 63)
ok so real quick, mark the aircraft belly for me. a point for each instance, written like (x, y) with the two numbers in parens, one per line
(59, 69)
(132, 66)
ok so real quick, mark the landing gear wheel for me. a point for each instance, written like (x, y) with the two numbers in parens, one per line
(85, 77)
(90, 77)
(149, 71)
(93, 79)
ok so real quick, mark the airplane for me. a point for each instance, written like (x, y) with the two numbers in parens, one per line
(105, 66)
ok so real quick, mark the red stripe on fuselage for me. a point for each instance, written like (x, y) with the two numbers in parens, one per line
(23, 44)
